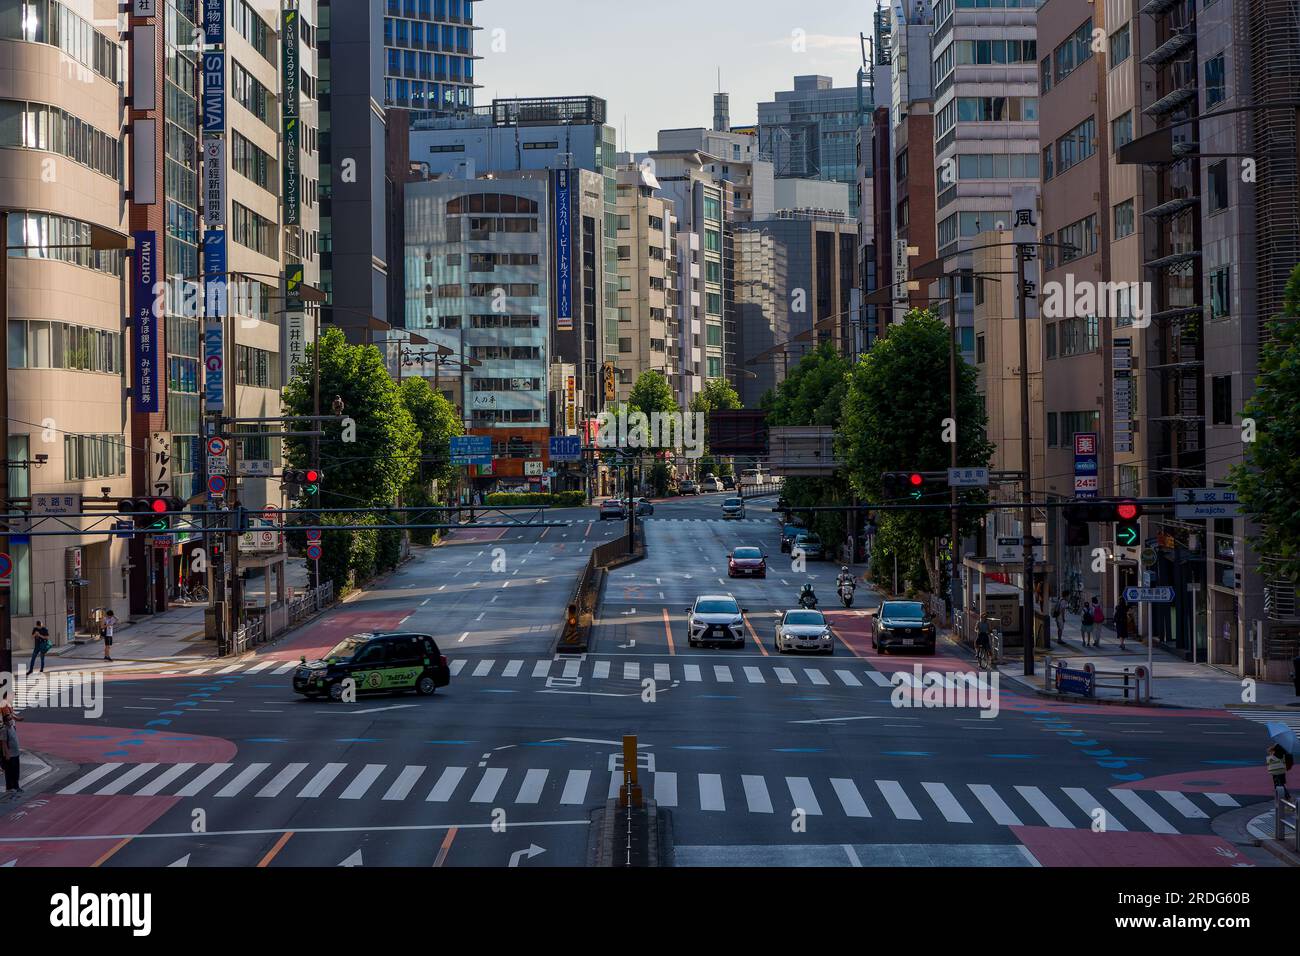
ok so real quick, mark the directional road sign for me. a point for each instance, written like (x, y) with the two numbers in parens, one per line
(1149, 595)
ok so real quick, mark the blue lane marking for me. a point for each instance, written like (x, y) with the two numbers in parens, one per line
(94, 737)
(1232, 763)
(116, 753)
(717, 697)
(493, 690)
(1128, 776)
(267, 740)
(1014, 756)
(1087, 743)
(454, 743)
(807, 698)
(547, 743)
(357, 740)
(906, 753)
(1096, 753)
(798, 750)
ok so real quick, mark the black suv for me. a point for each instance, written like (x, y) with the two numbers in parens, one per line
(903, 624)
(375, 663)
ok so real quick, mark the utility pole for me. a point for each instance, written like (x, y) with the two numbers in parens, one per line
(6, 625)
(315, 442)
(1027, 518)
(952, 456)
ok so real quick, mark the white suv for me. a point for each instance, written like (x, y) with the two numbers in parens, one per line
(715, 619)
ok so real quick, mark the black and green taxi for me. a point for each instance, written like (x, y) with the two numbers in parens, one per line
(375, 663)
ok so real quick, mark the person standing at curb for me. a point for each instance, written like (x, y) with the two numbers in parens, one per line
(110, 624)
(1121, 621)
(1098, 617)
(1278, 762)
(1085, 624)
(9, 749)
(40, 647)
(1058, 615)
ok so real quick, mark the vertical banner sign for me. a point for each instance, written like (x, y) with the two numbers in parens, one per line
(570, 401)
(147, 347)
(214, 364)
(214, 180)
(214, 270)
(214, 91)
(294, 346)
(1125, 393)
(214, 22)
(289, 79)
(160, 464)
(563, 254)
(1085, 465)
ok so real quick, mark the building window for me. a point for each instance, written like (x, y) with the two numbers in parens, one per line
(1124, 219)
(996, 109)
(38, 126)
(41, 344)
(713, 335)
(712, 240)
(1217, 182)
(1049, 339)
(1045, 75)
(625, 345)
(88, 457)
(713, 208)
(1053, 433)
(1048, 171)
(1215, 84)
(1081, 236)
(1076, 145)
(1120, 46)
(47, 21)
(254, 231)
(1221, 390)
(1121, 130)
(979, 350)
(1220, 292)
(1073, 52)
(715, 367)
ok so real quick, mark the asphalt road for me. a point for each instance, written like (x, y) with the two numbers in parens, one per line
(762, 758)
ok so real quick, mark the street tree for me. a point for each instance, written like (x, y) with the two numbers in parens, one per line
(438, 422)
(895, 418)
(1266, 483)
(367, 460)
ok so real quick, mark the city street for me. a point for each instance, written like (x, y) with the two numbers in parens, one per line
(762, 758)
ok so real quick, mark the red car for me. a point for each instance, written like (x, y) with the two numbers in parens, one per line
(747, 561)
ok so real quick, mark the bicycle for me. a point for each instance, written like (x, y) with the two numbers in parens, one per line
(196, 595)
(984, 657)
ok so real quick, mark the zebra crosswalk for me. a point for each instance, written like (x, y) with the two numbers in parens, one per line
(790, 672)
(841, 797)
(1289, 717)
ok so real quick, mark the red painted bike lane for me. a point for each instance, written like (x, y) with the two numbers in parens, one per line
(315, 639)
(90, 826)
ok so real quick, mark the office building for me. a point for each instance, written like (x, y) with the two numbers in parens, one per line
(647, 251)
(429, 56)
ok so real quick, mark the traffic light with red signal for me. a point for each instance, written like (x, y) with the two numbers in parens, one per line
(151, 514)
(1124, 512)
(301, 482)
(1128, 527)
(904, 485)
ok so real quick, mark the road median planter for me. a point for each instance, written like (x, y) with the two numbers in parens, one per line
(584, 602)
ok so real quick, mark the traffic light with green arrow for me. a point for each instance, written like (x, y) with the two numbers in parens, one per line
(1128, 529)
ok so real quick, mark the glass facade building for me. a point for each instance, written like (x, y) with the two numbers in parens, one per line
(429, 55)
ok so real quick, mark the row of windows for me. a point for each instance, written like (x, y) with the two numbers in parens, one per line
(259, 34)
(995, 51)
(248, 92)
(254, 231)
(48, 21)
(492, 202)
(413, 94)
(506, 352)
(967, 224)
(504, 321)
(487, 384)
(1081, 236)
(1076, 336)
(38, 235)
(258, 367)
(1071, 148)
(1063, 426)
(997, 166)
(460, 11)
(501, 416)
(40, 344)
(418, 65)
(93, 456)
(38, 126)
(518, 289)
(986, 109)
(253, 163)
(1072, 53)
(488, 261)
(429, 36)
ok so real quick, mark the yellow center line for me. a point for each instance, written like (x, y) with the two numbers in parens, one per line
(754, 634)
(446, 846)
(275, 850)
(668, 633)
(103, 859)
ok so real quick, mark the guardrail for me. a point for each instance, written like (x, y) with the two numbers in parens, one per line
(1133, 682)
(758, 491)
(575, 634)
(255, 631)
(1280, 823)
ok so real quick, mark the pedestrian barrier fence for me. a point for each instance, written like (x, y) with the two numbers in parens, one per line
(255, 631)
(1133, 683)
(1281, 807)
(576, 631)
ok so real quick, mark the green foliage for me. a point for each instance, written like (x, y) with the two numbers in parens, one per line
(804, 492)
(1266, 484)
(437, 421)
(893, 420)
(652, 393)
(659, 475)
(813, 391)
(558, 499)
(388, 549)
(369, 471)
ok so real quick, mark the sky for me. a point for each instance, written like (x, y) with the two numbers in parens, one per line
(656, 62)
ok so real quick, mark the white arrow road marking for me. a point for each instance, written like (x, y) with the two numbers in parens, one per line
(532, 851)
(631, 643)
(13, 862)
(353, 860)
(183, 861)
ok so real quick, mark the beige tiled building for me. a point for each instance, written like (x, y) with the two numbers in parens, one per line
(647, 318)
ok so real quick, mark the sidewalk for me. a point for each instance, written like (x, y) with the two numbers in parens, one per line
(174, 636)
(1176, 683)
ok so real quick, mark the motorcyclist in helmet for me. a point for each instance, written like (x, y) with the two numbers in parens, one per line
(807, 597)
(846, 577)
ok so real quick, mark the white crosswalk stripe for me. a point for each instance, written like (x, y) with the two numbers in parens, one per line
(483, 668)
(722, 673)
(784, 675)
(572, 668)
(754, 675)
(285, 668)
(848, 678)
(938, 803)
(692, 673)
(879, 679)
(816, 676)
(459, 665)
(512, 669)
(541, 668)
(601, 670)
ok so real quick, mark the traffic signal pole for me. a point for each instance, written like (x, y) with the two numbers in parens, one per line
(1027, 516)
(6, 625)
(952, 458)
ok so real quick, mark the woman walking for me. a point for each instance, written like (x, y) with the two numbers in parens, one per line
(9, 749)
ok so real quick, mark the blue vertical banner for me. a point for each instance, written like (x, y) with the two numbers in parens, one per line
(214, 22)
(214, 271)
(147, 348)
(214, 91)
(214, 366)
(563, 253)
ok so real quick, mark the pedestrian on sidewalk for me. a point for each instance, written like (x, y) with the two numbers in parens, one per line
(1058, 615)
(110, 625)
(1085, 624)
(1278, 762)
(40, 647)
(9, 749)
(1121, 621)
(1098, 618)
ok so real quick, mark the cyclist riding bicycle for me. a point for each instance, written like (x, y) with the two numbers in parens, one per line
(982, 641)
